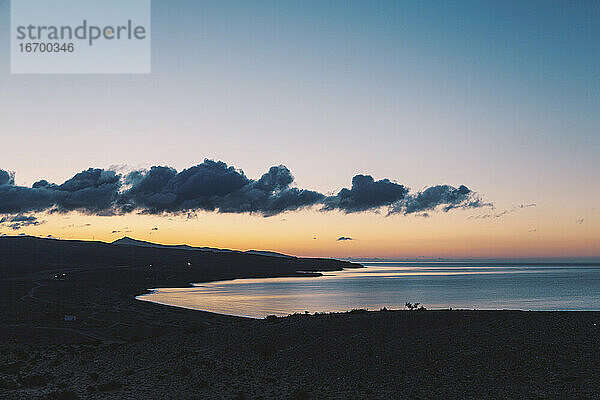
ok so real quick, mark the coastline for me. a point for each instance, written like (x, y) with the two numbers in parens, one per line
(104, 279)
(333, 293)
(120, 347)
(193, 284)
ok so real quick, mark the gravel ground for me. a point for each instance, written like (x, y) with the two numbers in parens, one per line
(357, 355)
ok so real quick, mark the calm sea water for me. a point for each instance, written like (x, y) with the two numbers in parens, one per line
(392, 284)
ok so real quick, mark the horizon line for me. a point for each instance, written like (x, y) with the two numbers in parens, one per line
(375, 259)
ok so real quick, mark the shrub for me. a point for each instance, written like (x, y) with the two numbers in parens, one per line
(300, 394)
(11, 368)
(184, 370)
(241, 395)
(265, 351)
(201, 383)
(21, 355)
(63, 395)
(34, 381)
(109, 386)
(7, 383)
(194, 329)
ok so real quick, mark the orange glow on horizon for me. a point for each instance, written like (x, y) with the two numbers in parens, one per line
(315, 234)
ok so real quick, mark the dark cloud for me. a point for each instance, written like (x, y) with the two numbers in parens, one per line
(215, 186)
(93, 191)
(444, 196)
(270, 195)
(18, 199)
(162, 189)
(344, 238)
(366, 194)
(6, 177)
(19, 221)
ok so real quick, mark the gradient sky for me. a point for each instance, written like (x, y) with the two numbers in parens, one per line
(503, 97)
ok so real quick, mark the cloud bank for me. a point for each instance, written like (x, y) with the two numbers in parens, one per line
(446, 196)
(19, 221)
(366, 194)
(215, 186)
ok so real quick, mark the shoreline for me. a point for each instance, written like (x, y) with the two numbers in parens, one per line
(295, 275)
(120, 347)
(251, 312)
(193, 284)
(99, 282)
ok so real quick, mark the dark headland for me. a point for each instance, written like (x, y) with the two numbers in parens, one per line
(121, 348)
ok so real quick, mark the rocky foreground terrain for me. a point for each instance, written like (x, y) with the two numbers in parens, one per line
(121, 348)
(356, 355)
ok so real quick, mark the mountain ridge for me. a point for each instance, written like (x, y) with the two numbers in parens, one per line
(128, 241)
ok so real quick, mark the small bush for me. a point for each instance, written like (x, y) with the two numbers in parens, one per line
(109, 386)
(7, 383)
(266, 351)
(201, 383)
(194, 329)
(63, 395)
(183, 370)
(54, 363)
(11, 368)
(34, 381)
(300, 394)
(241, 395)
(21, 355)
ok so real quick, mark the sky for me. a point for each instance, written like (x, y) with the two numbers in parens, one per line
(503, 97)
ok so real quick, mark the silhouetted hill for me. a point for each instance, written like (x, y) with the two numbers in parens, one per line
(127, 241)
(24, 254)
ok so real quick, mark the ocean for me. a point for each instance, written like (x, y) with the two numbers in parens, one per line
(436, 285)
